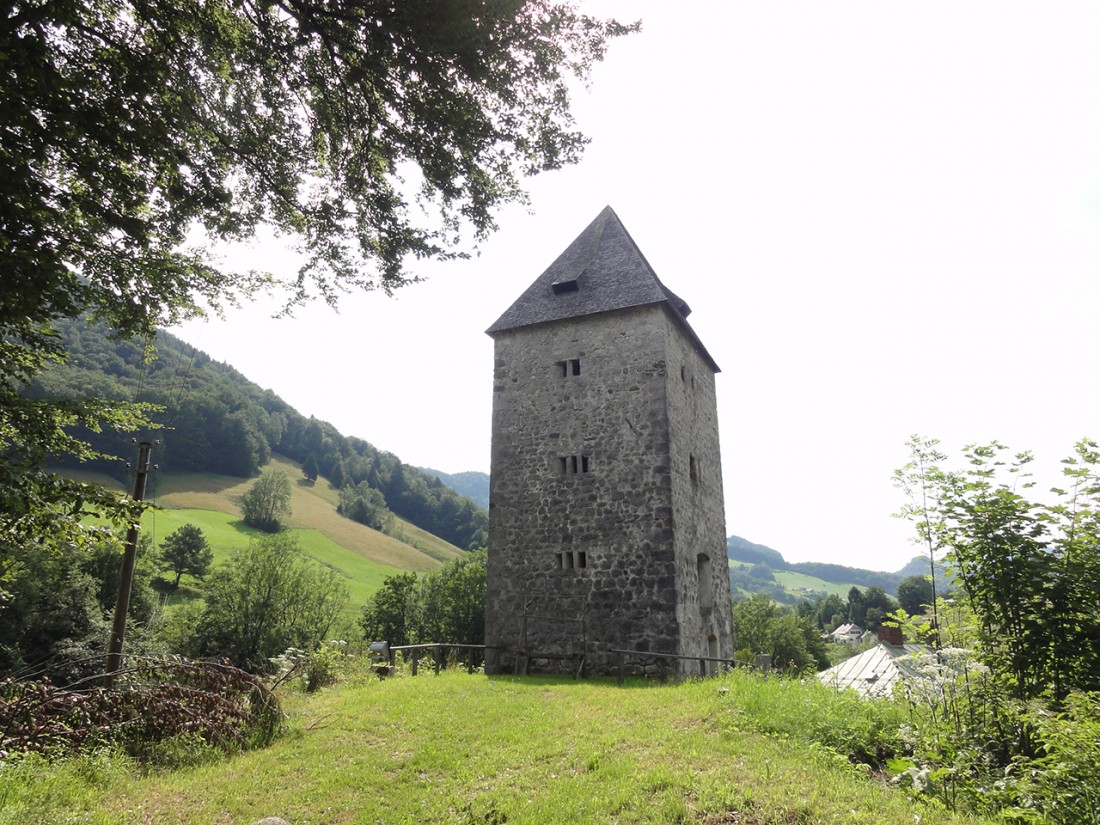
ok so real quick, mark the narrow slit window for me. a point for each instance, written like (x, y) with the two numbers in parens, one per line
(582, 559)
(563, 368)
(571, 465)
(575, 366)
(568, 560)
(706, 580)
(693, 469)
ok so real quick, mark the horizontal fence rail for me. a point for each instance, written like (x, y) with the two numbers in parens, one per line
(438, 652)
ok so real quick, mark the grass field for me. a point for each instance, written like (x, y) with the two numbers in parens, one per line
(364, 557)
(799, 585)
(225, 532)
(465, 749)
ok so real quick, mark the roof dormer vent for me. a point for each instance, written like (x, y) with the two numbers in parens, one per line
(566, 284)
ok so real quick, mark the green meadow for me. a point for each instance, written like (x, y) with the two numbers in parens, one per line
(460, 748)
(362, 556)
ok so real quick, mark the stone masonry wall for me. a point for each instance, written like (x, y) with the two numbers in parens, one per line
(581, 476)
(703, 607)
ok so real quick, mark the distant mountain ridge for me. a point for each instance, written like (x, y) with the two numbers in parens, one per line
(470, 483)
(742, 550)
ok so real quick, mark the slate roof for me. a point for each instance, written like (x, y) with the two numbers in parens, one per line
(601, 271)
(874, 672)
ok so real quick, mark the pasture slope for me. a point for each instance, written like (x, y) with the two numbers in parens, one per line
(363, 556)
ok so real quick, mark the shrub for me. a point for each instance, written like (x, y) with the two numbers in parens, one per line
(268, 598)
(154, 701)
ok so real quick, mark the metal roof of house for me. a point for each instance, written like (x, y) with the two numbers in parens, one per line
(847, 629)
(601, 271)
(873, 672)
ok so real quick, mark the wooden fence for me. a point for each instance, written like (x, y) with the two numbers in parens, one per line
(438, 651)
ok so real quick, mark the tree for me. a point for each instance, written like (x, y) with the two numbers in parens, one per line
(54, 613)
(446, 605)
(365, 505)
(186, 551)
(1029, 570)
(309, 467)
(918, 480)
(126, 125)
(268, 598)
(915, 593)
(451, 601)
(751, 617)
(793, 642)
(389, 613)
(267, 501)
(857, 609)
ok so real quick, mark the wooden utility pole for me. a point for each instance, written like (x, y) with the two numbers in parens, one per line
(126, 580)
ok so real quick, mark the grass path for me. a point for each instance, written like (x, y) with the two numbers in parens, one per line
(470, 749)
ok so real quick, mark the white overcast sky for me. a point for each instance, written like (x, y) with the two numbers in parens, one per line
(885, 215)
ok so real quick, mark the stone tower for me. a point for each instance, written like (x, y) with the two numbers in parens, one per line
(606, 518)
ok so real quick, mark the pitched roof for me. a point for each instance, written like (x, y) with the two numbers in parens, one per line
(848, 629)
(601, 271)
(874, 671)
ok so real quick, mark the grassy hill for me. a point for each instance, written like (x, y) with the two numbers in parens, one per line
(796, 585)
(363, 556)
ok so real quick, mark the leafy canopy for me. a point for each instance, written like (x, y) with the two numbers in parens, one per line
(186, 551)
(267, 501)
(128, 128)
(268, 598)
(1029, 569)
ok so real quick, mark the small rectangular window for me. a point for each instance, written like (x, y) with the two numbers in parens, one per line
(570, 465)
(567, 368)
(582, 559)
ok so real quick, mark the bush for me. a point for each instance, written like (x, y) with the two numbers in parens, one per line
(154, 702)
(314, 669)
(268, 598)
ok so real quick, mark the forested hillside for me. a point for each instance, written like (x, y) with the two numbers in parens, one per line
(471, 483)
(215, 420)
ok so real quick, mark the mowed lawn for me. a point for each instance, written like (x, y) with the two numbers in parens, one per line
(459, 748)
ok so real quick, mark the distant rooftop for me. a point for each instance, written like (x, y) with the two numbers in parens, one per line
(874, 672)
(601, 271)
